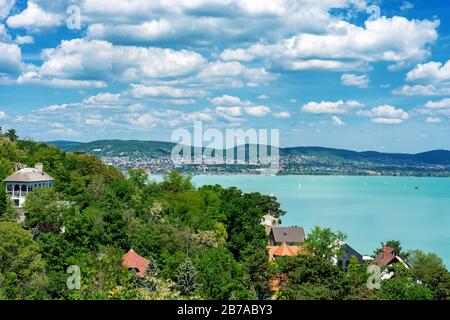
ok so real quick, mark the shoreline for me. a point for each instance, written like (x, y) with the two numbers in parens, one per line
(303, 175)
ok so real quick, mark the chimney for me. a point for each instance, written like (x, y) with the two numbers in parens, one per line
(39, 167)
(19, 166)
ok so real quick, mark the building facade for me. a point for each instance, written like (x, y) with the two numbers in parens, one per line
(26, 180)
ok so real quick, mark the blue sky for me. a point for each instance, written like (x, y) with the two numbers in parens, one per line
(355, 74)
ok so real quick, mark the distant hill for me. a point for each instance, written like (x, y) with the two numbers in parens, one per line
(430, 157)
(117, 147)
(163, 149)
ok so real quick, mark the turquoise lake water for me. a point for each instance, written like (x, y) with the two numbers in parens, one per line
(369, 210)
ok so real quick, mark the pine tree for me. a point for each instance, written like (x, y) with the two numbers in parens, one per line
(187, 278)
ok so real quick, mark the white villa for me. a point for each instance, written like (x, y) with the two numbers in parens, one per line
(26, 180)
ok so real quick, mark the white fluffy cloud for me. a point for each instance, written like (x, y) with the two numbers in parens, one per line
(385, 114)
(83, 60)
(395, 39)
(386, 120)
(349, 79)
(444, 103)
(10, 58)
(34, 18)
(80, 61)
(3, 115)
(230, 113)
(422, 90)
(257, 111)
(103, 98)
(233, 74)
(433, 79)
(142, 91)
(337, 121)
(430, 72)
(24, 40)
(226, 100)
(5, 7)
(36, 78)
(328, 107)
(203, 21)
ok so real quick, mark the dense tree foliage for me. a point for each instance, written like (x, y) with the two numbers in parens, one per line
(203, 243)
(22, 274)
(325, 243)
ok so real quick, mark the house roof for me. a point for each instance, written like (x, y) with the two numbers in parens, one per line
(349, 252)
(289, 235)
(28, 175)
(132, 260)
(385, 257)
(285, 251)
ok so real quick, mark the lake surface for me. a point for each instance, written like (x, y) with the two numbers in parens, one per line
(369, 210)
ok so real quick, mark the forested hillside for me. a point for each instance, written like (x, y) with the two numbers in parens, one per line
(105, 214)
(202, 243)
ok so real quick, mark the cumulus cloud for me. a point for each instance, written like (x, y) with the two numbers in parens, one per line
(3, 115)
(103, 98)
(203, 21)
(5, 8)
(444, 103)
(33, 77)
(348, 79)
(226, 100)
(257, 111)
(20, 40)
(232, 114)
(337, 121)
(327, 107)
(10, 58)
(101, 61)
(233, 74)
(34, 18)
(141, 91)
(386, 120)
(78, 60)
(430, 72)
(395, 39)
(422, 90)
(236, 55)
(385, 114)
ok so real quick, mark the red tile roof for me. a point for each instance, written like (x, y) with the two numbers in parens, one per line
(286, 251)
(132, 260)
(385, 257)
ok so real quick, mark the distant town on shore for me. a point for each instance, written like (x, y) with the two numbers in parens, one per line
(155, 158)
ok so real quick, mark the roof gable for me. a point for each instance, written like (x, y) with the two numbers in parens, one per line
(28, 175)
(132, 260)
(289, 235)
